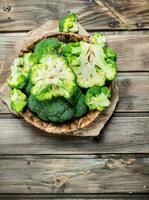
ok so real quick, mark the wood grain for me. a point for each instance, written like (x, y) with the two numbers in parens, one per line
(94, 14)
(121, 135)
(133, 88)
(31, 174)
(132, 49)
(104, 196)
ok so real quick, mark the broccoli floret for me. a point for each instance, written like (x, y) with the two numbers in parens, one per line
(72, 48)
(97, 98)
(19, 74)
(18, 100)
(98, 38)
(20, 71)
(71, 52)
(52, 78)
(55, 110)
(69, 23)
(110, 54)
(46, 46)
(94, 68)
(88, 73)
(81, 107)
(28, 87)
(75, 97)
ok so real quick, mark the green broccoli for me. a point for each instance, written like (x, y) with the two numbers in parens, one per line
(98, 38)
(29, 87)
(81, 107)
(52, 78)
(97, 97)
(18, 100)
(46, 46)
(55, 110)
(20, 71)
(88, 73)
(110, 54)
(75, 97)
(69, 23)
(19, 74)
(72, 48)
(71, 51)
(94, 68)
(29, 60)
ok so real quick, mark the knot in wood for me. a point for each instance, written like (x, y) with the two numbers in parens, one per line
(7, 8)
(60, 181)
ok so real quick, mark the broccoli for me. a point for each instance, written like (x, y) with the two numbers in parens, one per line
(98, 38)
(18, 100)
(20, 71)
(97, 98)
(72, 48)
(19, 74)
(28, 87)
(94, 68)
(75, 97)
(55, 110)
(71, 51)
(29, 60)
(110, 54)
(88, 73)
(46, 46)
(81, 107)
(52, 78)
(69, 23)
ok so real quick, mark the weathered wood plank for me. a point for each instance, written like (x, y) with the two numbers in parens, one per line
(133, 89)
(121, 135)
(132, 14)
(132, 49)
(31, 174)
(94, 14)
(123, 196)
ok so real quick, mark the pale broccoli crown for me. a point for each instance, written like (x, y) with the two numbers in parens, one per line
(55, 110)
(92, 67)
(88, 72)
(52, 78)
(19, 74)
(69, 23)
(18, 100)
(98, 38)
(46, 46)
(97, 98)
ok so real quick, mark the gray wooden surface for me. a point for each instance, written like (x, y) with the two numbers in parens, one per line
(113, 166)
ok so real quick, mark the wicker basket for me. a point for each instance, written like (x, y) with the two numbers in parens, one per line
(50, 127)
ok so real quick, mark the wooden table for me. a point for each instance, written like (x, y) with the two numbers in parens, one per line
(113, 166)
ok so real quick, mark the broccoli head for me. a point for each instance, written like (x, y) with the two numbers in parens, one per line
(20, 71)
(88, 72)
(46, 46)
(69, 23)
(98, 38)
(19, 74)
(94, 68)
(18, 100)
(81, 107)
(97, 97)
(55, 110)
(52, 78)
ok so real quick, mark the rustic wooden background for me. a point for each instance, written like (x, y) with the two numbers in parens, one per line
(113, 166)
